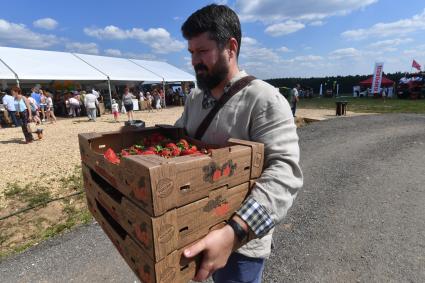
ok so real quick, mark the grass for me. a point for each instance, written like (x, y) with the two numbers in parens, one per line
(74, 211)
(367, 105)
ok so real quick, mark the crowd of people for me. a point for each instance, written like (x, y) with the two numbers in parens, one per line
(41, 104)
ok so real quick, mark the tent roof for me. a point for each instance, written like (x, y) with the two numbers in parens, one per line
(168, 72)
(385, 82)
(5, 73)
(41, 65)
(119, 69)
(31, 64)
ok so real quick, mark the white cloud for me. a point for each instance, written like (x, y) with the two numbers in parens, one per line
(20, 35)
(284, 28)
(158, 39)
(397, 28)
(344, 53)
(317, 23)
(390, 42)
(248, 41)
(87, 48)
(46, 23)
(307, 58)
(113, 52)
(284, 49)
(268, 11)
(109, 32)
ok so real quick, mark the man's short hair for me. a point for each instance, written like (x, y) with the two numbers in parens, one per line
(219, 21)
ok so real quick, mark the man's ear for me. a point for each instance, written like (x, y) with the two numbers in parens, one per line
(233, 47)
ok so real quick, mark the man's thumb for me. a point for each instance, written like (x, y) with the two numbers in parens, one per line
(195, 249)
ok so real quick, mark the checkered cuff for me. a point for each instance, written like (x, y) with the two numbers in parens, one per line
(256, 216)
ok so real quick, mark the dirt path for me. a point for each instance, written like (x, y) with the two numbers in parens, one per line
(359, 217)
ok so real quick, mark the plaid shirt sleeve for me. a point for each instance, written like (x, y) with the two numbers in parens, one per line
(256, 216)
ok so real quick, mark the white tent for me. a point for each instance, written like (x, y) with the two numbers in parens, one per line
(5, 73)
(119, 69)
(168, 72)
(40, 65)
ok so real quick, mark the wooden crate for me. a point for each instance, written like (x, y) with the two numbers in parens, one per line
(173, 268)
(159, 236)
(158, 184)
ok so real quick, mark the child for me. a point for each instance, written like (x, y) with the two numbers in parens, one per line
(115, 110)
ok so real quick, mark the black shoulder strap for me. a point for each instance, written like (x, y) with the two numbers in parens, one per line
(235, 88)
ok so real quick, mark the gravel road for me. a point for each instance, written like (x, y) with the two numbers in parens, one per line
(359, 218)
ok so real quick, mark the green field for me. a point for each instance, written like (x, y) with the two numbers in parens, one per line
(367, 105)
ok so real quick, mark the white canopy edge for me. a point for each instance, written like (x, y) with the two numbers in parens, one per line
(42, 65)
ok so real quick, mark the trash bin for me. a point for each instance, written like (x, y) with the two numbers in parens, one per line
(341, 108)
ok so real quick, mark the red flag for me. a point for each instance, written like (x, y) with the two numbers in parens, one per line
(416, 65)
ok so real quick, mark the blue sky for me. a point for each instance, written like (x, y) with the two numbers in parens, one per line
(281, 38)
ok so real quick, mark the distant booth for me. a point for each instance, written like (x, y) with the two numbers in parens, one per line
(387, 87)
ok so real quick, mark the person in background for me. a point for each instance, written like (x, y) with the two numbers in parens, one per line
(99, 99)
(23, 107)
(74, 104)
(156, 99)
(237, 251)
(127, 99)
(90, 102)
(294, 99)
(34, 110)
(115, 110)
(9, 104)
(82, 99)
(149, 99)
(50, 113)
(36, 95)
(42, 105)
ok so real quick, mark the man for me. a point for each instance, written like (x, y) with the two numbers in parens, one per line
(97, 94)
(90, 102)
(257, 112)
(36, 95)
(9, 104)
(294, 99)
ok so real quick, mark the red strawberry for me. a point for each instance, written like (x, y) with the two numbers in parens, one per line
(147, 152)
(183, 143)
(165, 152)
(171, 145)
(176, 151)
(186, 152)
(216, 175)
(111, 156)
(226, 171)
(124, 152)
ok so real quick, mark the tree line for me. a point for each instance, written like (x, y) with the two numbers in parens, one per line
(345, 83)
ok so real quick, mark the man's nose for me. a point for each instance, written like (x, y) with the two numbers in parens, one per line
(196, 59)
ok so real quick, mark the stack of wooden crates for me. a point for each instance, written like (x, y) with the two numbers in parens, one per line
(152, 207)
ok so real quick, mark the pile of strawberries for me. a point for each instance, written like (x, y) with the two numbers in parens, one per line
(155, 144)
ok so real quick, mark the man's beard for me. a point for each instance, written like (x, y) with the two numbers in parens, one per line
(209, 79)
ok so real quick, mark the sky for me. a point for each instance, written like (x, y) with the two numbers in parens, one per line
(280, 38)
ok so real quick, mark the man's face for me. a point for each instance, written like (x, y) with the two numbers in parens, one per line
(210, 63)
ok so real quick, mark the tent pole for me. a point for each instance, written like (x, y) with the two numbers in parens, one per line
(16, 75)
(110, 92)
(163, 91)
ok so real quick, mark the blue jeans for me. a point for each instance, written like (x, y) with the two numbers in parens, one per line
(12, 115)
(240, 269)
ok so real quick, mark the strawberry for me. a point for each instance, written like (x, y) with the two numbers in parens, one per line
(217, 175)
(124, 152)
(183, 143)
(175, 151)
(171, 145)
(111, 156)
(226, 170)
(165, 152)
(147, 152)
(186, 152)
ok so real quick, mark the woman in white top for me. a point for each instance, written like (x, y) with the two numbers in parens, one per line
(50, 114)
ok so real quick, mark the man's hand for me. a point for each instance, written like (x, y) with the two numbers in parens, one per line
(216, 248)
